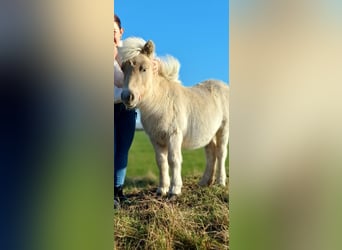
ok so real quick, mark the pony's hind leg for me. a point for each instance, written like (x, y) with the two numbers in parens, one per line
(222, 151)
(164, 178)
(208, 176)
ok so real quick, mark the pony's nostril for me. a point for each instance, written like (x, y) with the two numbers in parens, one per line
(127, 96)
(124, 95)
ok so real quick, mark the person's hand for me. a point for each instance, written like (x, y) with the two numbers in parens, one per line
(115, 51)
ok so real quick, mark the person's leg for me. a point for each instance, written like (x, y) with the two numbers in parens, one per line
(116, 119)
(124, 129)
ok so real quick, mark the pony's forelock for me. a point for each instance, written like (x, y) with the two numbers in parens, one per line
(131, 47)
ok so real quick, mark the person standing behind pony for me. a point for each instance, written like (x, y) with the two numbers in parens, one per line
(124, 123)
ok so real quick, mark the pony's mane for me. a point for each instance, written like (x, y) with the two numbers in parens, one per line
(168, 66)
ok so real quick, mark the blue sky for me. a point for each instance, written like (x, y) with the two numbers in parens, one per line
(194, 32)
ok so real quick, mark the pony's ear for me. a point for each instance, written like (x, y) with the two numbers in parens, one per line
(148, 48)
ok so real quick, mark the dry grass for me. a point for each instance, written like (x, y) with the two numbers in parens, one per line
(198, 219)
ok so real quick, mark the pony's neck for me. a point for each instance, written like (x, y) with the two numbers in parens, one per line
(156, 96)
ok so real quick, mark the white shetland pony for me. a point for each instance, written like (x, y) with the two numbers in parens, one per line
(175, 116)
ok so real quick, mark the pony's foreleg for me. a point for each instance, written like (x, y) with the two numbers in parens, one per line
(164, 178)
(208, 176)
(222, 151)
(175, 163)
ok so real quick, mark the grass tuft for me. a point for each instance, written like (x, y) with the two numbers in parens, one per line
(197, 219)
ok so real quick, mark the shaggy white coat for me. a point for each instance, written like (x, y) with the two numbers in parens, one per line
(175, 116)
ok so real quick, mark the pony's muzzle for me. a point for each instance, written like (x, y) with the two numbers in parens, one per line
(127, 97)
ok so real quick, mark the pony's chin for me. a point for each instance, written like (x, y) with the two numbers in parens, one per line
(130, 106)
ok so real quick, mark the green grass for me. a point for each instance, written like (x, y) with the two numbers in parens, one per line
(142, 164)
(197, 219)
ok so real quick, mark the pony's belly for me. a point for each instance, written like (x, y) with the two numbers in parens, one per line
(196, 142)
(198, 133)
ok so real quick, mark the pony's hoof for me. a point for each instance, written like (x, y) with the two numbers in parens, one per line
(162, 191)
(204, 183)
(175, 190)
(172, 197)
(221, 182)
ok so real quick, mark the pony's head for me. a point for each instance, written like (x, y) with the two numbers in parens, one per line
(137, 65)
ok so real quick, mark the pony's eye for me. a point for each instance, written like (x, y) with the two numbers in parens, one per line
(142, 69)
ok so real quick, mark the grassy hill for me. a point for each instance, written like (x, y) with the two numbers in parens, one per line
(197, 219)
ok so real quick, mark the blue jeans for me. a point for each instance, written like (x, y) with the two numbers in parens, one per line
(124, 129)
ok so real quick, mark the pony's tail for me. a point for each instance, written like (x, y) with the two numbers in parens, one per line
(169, 68)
